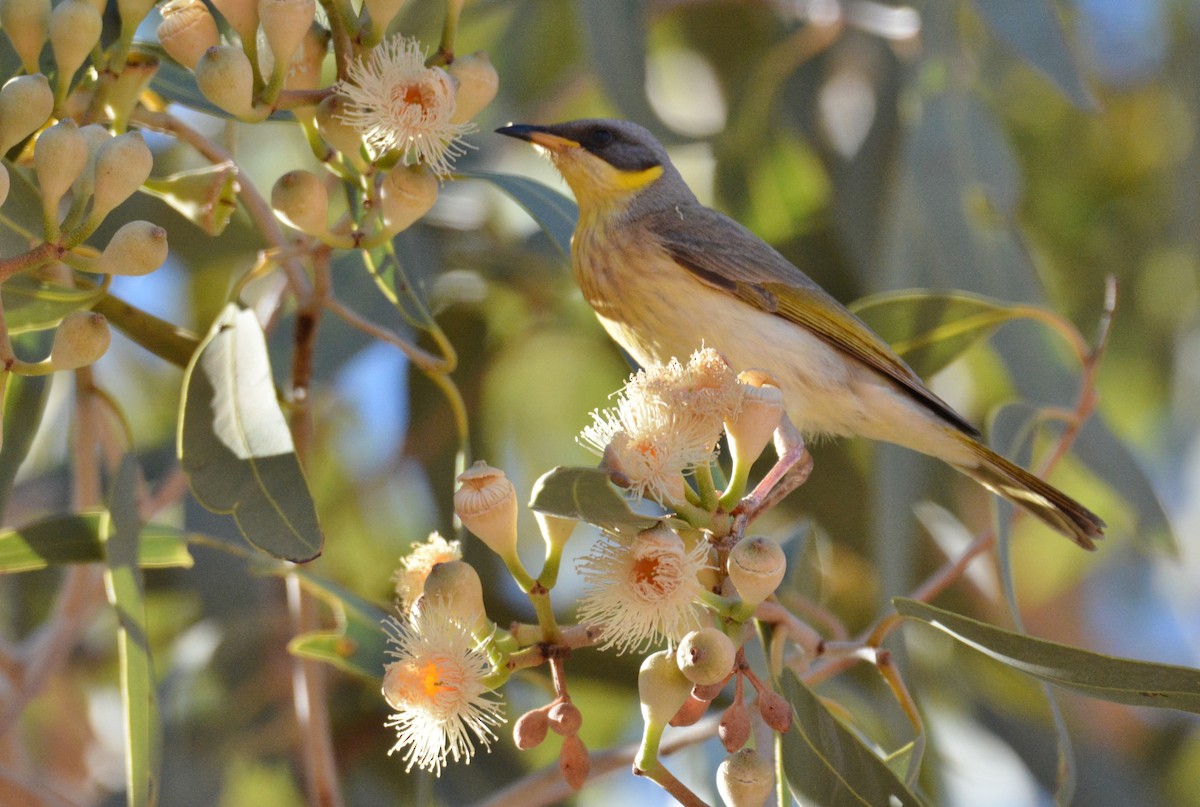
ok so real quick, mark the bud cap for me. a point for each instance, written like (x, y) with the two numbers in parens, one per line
(745, 779)
(486, 501)
(82, 338)
(756, 567)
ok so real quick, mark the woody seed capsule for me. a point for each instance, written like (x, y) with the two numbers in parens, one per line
(25, 104)
(74, 30)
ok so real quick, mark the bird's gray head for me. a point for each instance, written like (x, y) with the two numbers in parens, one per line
(607, 162)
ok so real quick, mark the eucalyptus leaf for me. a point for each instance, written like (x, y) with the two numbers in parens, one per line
(357, 644)
(615, 34)
(126, 593)
(1033, 29)
(205, 196)
(76, 538)
(554, 213)
(931, 329)
(31, 304)
(827, 765)
(235, 445)
(587, 494)
(1119, 680)
(22, 404)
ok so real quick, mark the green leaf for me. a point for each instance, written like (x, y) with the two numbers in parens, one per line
(587, 494)
(615, 34)
(357, 644)
(22, 404)
(35, 305)
(235, 445)
(120, 531)
(1032, 29)
(1138, 683)
(554, 213)
(929, 329)
(827, 765)
(205, 196)
(77, 539)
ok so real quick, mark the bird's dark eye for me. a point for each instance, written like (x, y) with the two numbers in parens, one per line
(601, 138)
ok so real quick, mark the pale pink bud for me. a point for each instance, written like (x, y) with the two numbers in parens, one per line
(705, 656)
(478, 83)
(775, 710)
(708, 692)
(59, 156)
(745, 779)
(690, 713)
(565, 718)
(530, 729)
(122, 165)
(81, 338)
(734, 728)
(285, 24)
(74, 30)
(662, 688)
(574, 761)
(406, 194)
(138, 248)
(756, 567)
(187, 30)
(26, 22)
(457, 584)
(25, 104)
(225, 77)
(242, 16)
(751, 429)
(486, 502)
(300, 199)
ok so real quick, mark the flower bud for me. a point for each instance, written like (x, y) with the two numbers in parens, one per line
(242, 16)
(138, 248)
(530, 729)
(745, 779)
(340, 135)
(96, 136)
(734, 728)
(756, 567)
(750, 430)
(59, 156)
(122, 165)
(775, 710)
(382, 12)
(26, 22)
(574, 762)
(132, 13)
(487, 504)
(478, 83)
(304, 71)
(457, 584)
(187, 30)
(406, 194)
(690, 713)
(74, 30)
(225, 77)
(662, 688)
(299, 198)
(565, 718)
(285, 24)
(25, 104)
(5, 182)
(708, 692)
(556, 530)
(705, 656)
(82, 338)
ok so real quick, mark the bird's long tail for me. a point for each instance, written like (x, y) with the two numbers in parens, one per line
(1036, 496)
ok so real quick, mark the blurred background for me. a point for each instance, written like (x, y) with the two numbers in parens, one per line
(1022, 151)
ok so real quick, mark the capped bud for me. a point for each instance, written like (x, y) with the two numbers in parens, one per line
(59, 156)
(26, 22)
(187, 30)
(734, 728)
(705, 656)
(775, 710)
(25, 104)
(382, 12)
(662, 688)
(574, 761)
(530, 729)
(486, 502)
(122, 165)
(132, 13)
(565, 718)
(225, 77)
(81, 338)
(457, 584)
(242, 16)
(750, 430)
(756, 567)
(96, 136)
(74, 30)
(340, 135)
(690, 713)
(478, 83)
(304, 71)
(406, 194)
(285, 23)
(299, 198)
(745, 779)
(138, 248)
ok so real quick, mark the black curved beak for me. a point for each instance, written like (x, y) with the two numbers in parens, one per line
(543, 136)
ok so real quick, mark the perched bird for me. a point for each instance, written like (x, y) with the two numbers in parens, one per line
(665, 274)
